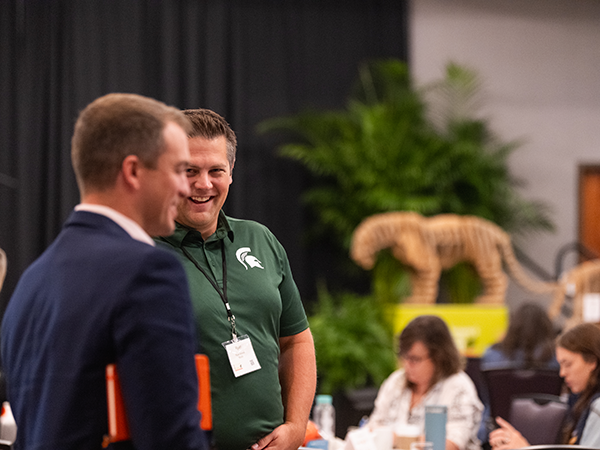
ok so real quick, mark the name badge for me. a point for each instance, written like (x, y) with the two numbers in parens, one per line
(241, 355)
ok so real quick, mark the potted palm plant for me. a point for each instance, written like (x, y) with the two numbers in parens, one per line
(396, 147)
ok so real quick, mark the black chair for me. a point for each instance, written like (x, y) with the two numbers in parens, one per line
(473, 369)
(351, 406)
(539, 417)
(505, 383)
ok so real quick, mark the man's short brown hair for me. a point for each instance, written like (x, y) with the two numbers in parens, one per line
(209, 125)
(113, 127)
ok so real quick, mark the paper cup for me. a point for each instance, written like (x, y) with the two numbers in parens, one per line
(405, 435)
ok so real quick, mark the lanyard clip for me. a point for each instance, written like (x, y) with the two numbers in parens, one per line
(231, 319)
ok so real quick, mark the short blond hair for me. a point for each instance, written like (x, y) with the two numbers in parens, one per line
(113, 127)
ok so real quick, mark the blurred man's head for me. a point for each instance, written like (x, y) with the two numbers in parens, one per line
(138, 145)
(113, 127)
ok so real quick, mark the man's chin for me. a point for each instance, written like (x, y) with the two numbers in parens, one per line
(166, 230)
(194, 220)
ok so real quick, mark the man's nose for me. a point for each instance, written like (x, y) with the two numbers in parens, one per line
(201, 181)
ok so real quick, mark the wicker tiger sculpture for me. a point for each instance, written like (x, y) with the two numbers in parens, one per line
(429, 245)
(580, 280)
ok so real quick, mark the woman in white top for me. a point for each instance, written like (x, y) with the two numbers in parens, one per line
(431, 374)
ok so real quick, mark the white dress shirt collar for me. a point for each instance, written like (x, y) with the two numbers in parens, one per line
(130, 226)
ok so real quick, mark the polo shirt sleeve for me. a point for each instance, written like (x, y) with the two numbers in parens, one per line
(293, 317)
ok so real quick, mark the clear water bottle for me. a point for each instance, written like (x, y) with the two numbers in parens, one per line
(324, 417)
(8, 427)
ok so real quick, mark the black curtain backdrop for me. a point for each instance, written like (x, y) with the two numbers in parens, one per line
(249, 60)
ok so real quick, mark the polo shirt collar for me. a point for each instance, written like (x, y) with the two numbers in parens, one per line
(189, 235)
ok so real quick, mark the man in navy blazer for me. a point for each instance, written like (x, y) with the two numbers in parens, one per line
(102, 293)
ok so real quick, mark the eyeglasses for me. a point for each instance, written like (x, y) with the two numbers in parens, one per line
(411, 359)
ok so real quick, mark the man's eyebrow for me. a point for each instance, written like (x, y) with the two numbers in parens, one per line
(213, 166)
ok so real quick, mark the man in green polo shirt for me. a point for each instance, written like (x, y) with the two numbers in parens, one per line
(249, 315)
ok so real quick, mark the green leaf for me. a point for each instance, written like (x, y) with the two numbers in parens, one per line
(354, 341)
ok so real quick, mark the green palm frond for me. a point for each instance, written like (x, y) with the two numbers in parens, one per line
(395, 147)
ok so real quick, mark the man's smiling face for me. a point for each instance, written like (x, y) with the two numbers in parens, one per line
(209, 175)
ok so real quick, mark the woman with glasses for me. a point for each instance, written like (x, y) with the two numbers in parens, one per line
(430, 374)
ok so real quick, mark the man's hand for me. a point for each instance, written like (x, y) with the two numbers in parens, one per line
(285, 437)
(298, 377)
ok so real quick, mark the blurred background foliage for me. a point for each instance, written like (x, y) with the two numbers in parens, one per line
(397, 147)
(353, 343)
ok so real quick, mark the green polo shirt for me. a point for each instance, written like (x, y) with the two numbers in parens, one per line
(266, 304)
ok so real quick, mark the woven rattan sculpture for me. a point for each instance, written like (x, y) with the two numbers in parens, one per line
(580, 280)
(428, 245)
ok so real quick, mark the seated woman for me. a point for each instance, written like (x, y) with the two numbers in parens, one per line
(430, 375)
(578, 353)
(528, 343)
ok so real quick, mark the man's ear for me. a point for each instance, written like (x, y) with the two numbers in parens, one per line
(130, 170)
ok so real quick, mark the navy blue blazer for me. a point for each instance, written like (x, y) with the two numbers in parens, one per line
(97, 296)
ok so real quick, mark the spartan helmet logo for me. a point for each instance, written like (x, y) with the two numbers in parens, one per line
(247, 260)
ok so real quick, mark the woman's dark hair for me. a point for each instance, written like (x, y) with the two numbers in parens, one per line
(435, 335)
(583, 339)
(530, 331)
